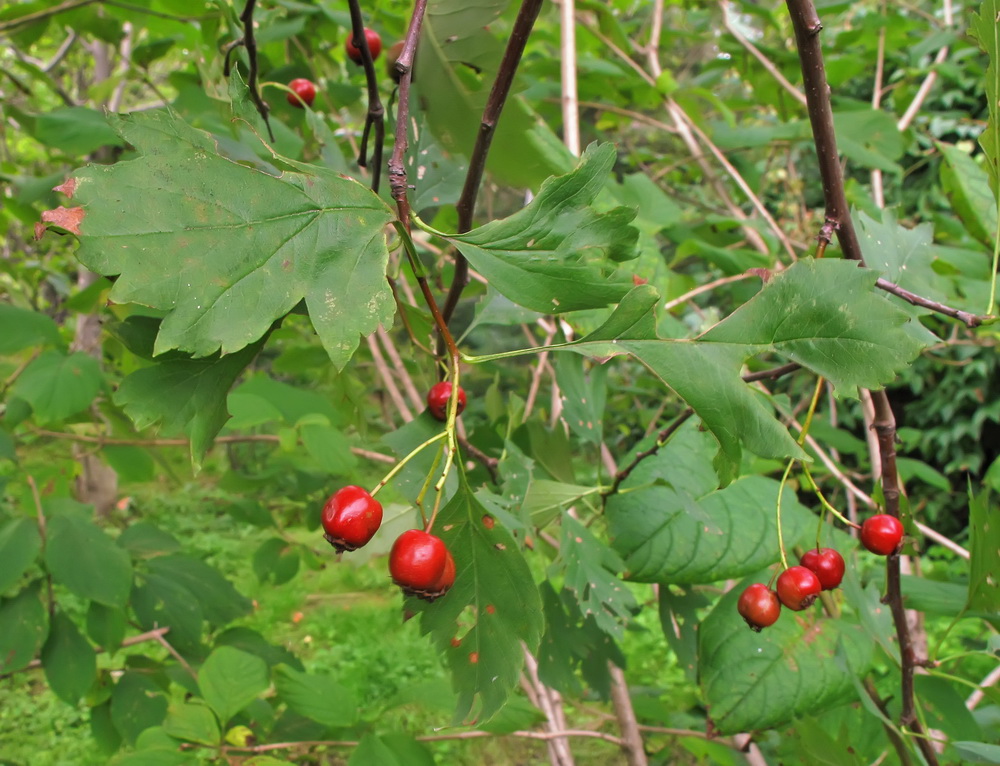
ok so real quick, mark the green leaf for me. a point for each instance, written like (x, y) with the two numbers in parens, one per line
(219, 600)
(19, 546)
(57, 386)
(822, 314)
(23, 628)
(252, 642)
(590, 575)
(675, 526)
(945, 708)
(186, 395)
(106, 626)
(161, 601)
(316, 696)
(983, 27)
(276, 560)
(192, 722)
(68, 659)
(145, 540)
(226, 249)
(583, 394)
(459, 57)
(573, 643)
(75, 130)
(137, 704)
(977, 752)
(984, 575)
(968, 187)
(755, 681)
(230, 680)
(329, 448)
(901, 255)
(372, 751)
(21, 328)
(493, 608)
(84, 559)
(556, 254)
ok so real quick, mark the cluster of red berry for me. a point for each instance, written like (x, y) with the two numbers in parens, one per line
(818, 570)
(419, 562)
(304, 91)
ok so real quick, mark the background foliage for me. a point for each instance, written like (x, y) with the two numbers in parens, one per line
(203, 345)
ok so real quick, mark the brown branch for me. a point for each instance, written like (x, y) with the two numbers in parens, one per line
(807, 27)
(249, 42)
(466, 205)
(635, 752)
(376, 112)
(104, 441)
(968, 319)
(838, 214)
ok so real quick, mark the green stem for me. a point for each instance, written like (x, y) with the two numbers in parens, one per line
(399, 466)
(777, 513)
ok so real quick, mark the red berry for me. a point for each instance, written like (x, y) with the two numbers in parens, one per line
(418, 564)
(798, 587)
(351, 517)
(302, 91)
(826, 564)
(437, 400)
(759, 606)
(374, 45)
(444, 582)
(882, 534)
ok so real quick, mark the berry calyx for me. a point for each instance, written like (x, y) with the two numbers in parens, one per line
(374, 45)
(759, 606)
(444, 582)
(798, 587)
(882, 534)
(418, 562)
(303, 93)
(827, 564)
(351, 517)
(437, 400)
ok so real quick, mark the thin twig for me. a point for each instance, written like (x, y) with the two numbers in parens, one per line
(106, 441)
(764, 60)
(567, 58)
(977, 696)
(968, 319)
(388, 381)
(152, 635)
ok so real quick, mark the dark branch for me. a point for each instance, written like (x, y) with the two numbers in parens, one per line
(807, 27)
(838, 214)
(376, 112)
(968, 319)
(249, 42)
(466, 206)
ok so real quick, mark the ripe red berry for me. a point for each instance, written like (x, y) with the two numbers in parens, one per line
(418, 564)
(374, 45)
(444, 582)
(759, 606)
(351, 517)
(826, 564)
(798, 587)
(302, 91)
(437, 400)
(882, 534)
